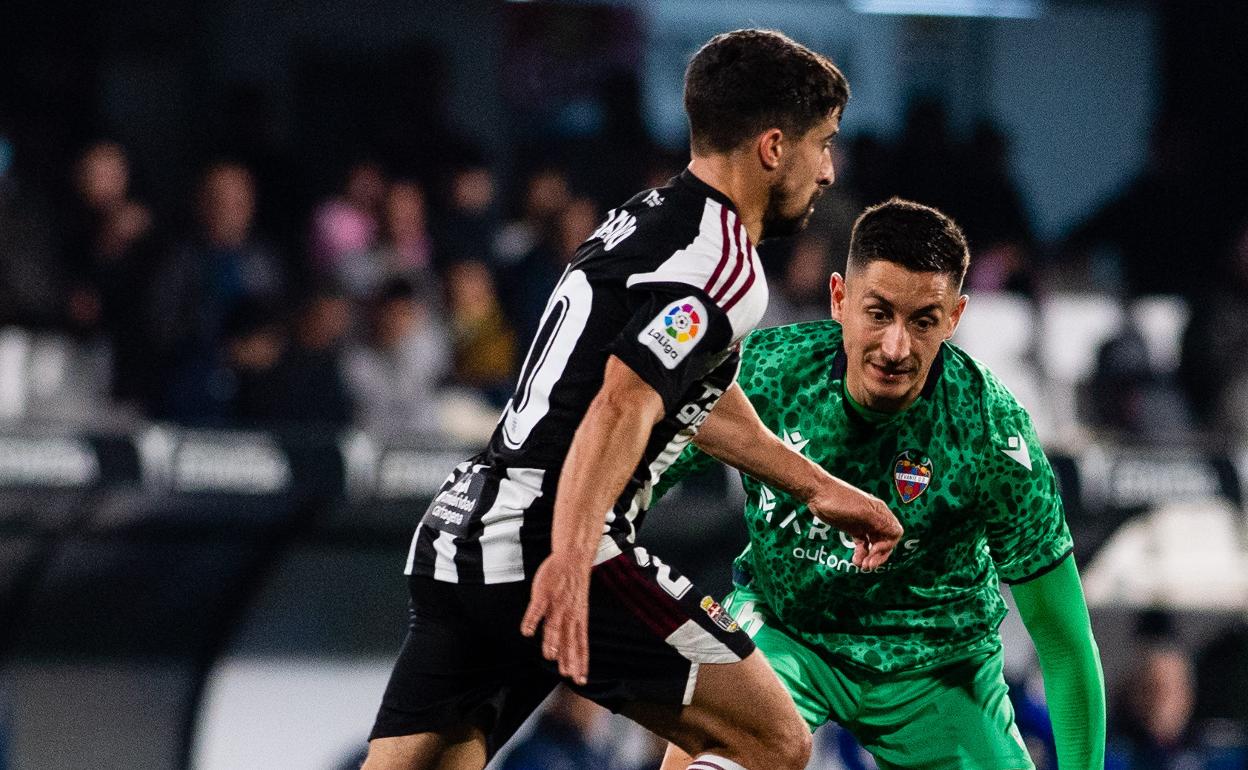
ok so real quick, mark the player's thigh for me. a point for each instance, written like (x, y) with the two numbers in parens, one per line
(958, 717)
(820, 692)
(740, 707)
(674, 660)
(462, 748)
(457, 677)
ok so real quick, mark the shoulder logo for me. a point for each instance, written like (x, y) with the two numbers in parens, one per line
(912, 472)
(653, 199)
(675, 331)
(1017, 451)
(619, 225)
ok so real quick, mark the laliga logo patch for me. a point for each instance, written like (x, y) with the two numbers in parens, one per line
(717, 613)
(675, 331)
(912, 472)
(682, 322)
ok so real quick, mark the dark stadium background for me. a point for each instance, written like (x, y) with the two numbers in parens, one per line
(207, 485)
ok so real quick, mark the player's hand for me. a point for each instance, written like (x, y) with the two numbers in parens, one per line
(865, 518)
(559, 601)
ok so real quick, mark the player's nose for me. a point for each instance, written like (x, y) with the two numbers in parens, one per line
(896, 343)
(827, 171)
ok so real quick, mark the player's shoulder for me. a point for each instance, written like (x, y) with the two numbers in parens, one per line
(792, 342)
(1004, 420)
(683, 232)
(791, 357)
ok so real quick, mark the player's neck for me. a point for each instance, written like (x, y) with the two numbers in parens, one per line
(725, 173)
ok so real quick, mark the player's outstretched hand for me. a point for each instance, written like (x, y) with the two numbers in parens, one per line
(559, 601)
(863, 517)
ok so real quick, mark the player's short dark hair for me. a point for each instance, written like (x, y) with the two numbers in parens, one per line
(917, 237)
(744, 82)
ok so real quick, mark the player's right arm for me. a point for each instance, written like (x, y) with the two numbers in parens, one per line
(734, 434)
(606, 448)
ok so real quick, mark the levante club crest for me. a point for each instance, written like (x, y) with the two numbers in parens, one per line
(912, 472)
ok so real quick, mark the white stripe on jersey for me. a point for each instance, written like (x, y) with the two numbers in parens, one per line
(444, 567)
(573, 299)
(502, 560)
(721, 262)
(411, 551)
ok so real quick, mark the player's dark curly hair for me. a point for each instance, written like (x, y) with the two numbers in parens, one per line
(917, 237)
(744, 82)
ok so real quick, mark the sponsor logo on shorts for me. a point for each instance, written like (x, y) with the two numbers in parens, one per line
(676, 331)
(719, 615)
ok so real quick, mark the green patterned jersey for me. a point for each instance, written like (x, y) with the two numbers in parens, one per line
(962, 470)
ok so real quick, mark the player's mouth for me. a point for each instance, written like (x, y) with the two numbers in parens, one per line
(889, 374)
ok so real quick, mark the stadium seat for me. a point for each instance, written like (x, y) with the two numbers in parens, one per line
(1161, 319)
(1139, 566)
(1072, 329)
(999, 330)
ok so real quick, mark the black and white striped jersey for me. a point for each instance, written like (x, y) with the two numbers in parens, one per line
(670, 284)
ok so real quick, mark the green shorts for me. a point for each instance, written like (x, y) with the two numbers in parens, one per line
(952, 717)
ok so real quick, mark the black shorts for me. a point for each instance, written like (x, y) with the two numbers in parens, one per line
(465, 662)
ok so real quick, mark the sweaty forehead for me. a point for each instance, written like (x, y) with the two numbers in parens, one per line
(901, 288)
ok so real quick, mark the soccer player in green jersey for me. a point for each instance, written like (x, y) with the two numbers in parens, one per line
(907, 657)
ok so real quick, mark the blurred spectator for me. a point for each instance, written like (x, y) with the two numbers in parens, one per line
(469, 222)
(1213, 368)
(110, 253)
(1128, 396)
(394, 374)
(1222, 678)
(405, 249)
(28, 289)
(349, 222)
(199, 286)
(546, 193)
(991, 211)
(483, 343)
(255, 341)
(801, 294)
(530, 280)
(870, 170)
(563, 738)
(1153, 728)
(1158, 220)
(926, 158)
(308, 381)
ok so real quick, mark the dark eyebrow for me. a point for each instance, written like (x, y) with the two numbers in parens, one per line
(870, 294)
(932, 309)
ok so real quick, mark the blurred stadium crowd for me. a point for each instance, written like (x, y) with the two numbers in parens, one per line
(398, 299)
(400, 303)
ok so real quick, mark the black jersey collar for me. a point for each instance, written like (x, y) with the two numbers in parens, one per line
(689, 179)
(840, 362)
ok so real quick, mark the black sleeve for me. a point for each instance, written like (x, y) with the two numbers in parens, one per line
(675, 337)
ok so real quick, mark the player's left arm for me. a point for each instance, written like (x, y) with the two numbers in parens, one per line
(1056, 616)
(1032, 548)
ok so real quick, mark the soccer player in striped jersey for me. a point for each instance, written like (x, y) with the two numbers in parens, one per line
(637, 344)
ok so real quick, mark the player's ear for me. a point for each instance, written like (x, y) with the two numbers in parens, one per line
(836, 288)
(956, 315)
(771, 148)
